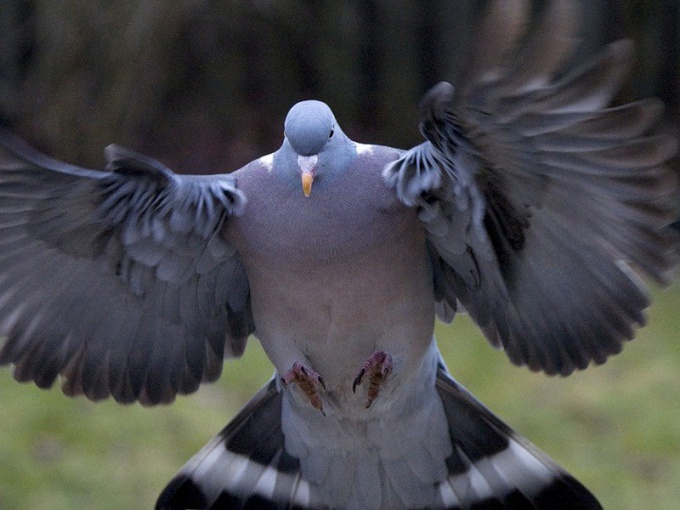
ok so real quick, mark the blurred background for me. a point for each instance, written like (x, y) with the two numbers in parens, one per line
(204, 86)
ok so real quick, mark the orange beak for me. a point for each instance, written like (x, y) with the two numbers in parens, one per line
(307, 166)
(307, 179)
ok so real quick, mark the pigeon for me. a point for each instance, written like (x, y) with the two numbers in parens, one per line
(532, 205)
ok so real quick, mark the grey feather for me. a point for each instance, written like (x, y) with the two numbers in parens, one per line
(570, 192)
(93, 265)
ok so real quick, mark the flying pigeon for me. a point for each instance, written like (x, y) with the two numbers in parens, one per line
(531, 204)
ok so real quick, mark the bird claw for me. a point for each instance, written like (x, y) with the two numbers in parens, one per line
(378, 366)
(308, 381)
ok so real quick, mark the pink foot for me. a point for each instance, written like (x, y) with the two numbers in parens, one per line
(378, 366)
(308, 381)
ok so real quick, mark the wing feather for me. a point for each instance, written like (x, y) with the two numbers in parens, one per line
(539, 199)
(119, 281)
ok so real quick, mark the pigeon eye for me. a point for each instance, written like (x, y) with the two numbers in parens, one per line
(331, 133)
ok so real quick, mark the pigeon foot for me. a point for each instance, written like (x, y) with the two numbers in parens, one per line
(308, 381)
(378, 366)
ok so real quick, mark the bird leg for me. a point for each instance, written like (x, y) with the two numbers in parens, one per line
(308, 381)
(378, 366)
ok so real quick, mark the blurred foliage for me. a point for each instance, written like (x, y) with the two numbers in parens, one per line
(615, 427)
(203, 86)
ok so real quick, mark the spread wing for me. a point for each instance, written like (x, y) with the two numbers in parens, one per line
(119, 281)
(538, 199)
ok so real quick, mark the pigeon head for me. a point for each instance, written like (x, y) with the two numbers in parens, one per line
(311, 131)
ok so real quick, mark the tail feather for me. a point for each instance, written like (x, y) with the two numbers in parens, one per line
(244, 467)
(247, 467)
(494, 467)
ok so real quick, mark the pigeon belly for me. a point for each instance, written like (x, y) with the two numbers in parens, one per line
(313, 269)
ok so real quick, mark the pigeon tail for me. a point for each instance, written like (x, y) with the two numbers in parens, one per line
(246, 466)
(494, 467)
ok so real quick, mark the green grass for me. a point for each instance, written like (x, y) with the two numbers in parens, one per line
(615, 427)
